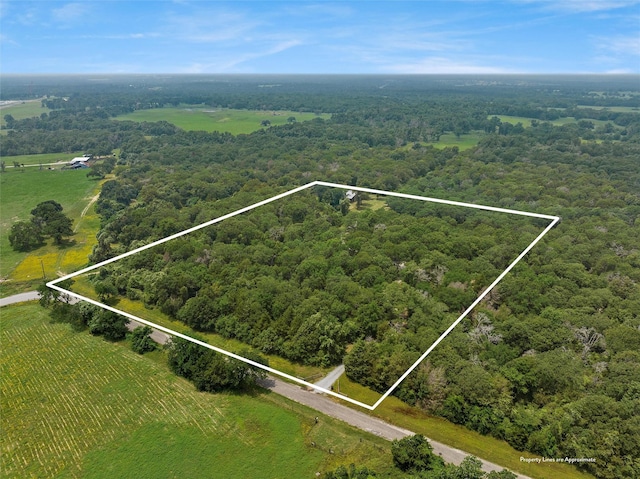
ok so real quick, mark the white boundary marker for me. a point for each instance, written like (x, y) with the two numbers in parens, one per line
(553, 219)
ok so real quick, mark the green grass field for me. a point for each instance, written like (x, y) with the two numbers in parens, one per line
(20, 192)
(463, 143)
(19, 111)
(45, 158)
(74, 405)
(214, 119)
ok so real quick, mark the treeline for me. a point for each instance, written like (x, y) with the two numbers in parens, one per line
(548, 361)
(557, 338)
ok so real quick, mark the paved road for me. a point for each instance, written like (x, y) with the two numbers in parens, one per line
(327, 381)
(319, 402)
(19, 298)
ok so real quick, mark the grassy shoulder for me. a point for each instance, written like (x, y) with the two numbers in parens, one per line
(75, 405)
(20, 192)
(201, 118)
(499, 452)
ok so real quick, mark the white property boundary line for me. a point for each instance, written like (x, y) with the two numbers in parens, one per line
(553, 219)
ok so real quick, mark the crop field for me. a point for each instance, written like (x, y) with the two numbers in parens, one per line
(19, 111)
(20, 192)
(216, 119)
(74, 405)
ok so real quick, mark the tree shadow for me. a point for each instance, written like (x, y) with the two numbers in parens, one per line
(66, 243)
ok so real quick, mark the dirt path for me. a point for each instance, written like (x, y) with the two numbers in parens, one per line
(84, 211)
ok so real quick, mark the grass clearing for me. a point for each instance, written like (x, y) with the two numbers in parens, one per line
(20, 192)
(210, 119)
(396, 412)
(75, 405)
(22, 109)
(464, 142)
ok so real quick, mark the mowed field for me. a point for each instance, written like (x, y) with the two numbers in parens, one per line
(20, 191)
(74, 405)
(222, 120)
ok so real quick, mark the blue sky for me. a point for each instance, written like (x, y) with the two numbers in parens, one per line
(183, 36)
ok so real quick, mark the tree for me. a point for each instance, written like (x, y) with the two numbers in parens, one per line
(413, 454)
(112, 326)
(141, 341)
(25, 236)
(265, 123)
(50, 220)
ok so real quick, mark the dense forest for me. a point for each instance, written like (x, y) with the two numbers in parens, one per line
(549, 361)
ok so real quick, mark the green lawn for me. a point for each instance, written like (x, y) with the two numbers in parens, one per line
(216, 119)
(74, 405)
(20, 191)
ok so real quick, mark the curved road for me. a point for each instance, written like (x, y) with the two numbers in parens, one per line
(319, 402)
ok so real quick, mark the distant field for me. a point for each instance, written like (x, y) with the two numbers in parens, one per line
(20, 192)
(74, 405)
(463, 143)
(526, 122)
(214, 119)
(19, 111)
(619, 109)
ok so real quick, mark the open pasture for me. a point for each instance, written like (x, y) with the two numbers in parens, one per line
(21, 110)
(42, 159)
(218, 119)
(75, 405)
(20, 191)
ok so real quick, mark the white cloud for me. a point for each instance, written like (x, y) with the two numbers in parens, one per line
(70, 12)
(580, 6)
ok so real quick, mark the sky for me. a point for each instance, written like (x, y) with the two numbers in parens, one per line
(306, 37)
